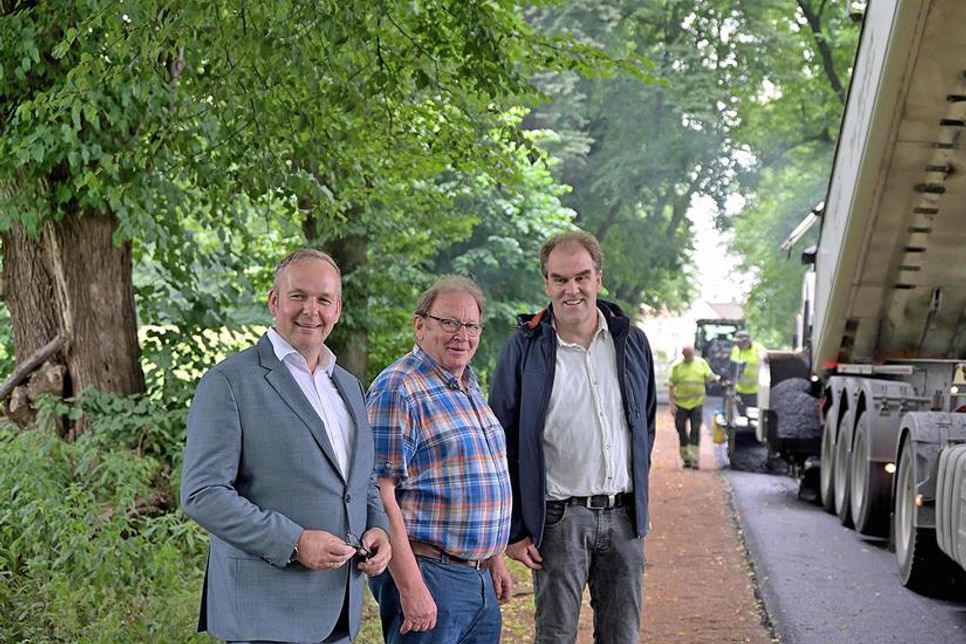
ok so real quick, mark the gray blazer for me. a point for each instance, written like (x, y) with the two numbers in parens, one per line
(258, 468)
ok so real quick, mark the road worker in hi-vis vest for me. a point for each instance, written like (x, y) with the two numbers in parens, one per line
(749, 355)
(686, 393)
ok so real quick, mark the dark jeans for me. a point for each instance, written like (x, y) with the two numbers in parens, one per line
(589, 547)
(467, 611)
(693, 416)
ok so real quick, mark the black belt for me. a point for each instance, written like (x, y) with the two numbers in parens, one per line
(599, 501)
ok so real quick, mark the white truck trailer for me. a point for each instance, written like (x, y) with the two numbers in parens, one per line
(885, 325)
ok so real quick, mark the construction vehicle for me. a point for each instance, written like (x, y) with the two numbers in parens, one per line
(713, 342)
(884, 325)
(739, 423)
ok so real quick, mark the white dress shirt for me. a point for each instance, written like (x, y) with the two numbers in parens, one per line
(321, 394)
(585, 438)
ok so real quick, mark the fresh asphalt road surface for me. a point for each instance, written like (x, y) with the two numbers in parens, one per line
(825, 584)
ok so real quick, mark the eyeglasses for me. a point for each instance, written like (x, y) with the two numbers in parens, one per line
(354, 542)
(453, 326)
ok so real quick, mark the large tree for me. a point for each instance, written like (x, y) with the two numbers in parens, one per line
(747, 104)
(128, 128)
(789, 117)
(637, 152)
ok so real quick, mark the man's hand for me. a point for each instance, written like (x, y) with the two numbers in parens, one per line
(321, 550)
(377, 542)
(526, 553)
(418, 607)
(502, 581)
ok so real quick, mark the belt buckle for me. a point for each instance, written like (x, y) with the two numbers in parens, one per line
(611, 500)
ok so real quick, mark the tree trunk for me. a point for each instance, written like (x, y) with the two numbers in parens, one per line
(72, 280)
(350, 340)
(352, 344)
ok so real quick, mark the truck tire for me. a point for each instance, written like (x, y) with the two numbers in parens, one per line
(827, 461)
(870, 488)
(923, 568)
(949, 503)
(841, 465)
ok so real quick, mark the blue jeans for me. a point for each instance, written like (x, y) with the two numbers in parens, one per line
(467, 611)
(596, 547)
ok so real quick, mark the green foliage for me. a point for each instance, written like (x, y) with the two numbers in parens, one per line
(636, 153)
(795, 83)
(222, 136)
(747, 102)
(502, 253)
(783, 197)
(91, 548)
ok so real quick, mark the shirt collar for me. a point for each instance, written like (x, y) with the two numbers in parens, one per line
(600, 334)
(283, 350)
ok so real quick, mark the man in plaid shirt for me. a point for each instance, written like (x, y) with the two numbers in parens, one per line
(442, 468)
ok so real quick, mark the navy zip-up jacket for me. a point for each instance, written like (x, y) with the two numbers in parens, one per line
(520, 395)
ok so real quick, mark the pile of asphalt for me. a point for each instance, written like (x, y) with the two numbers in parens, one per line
(797, 410)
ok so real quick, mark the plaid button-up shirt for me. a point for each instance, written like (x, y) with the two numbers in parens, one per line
(444, 449)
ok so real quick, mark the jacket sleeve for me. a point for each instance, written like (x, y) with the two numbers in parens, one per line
(375, 512)
(650, 396)
(651, 405)
(504, 400)
(211, 462)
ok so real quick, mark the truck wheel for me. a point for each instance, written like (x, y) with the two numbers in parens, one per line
(842, 476)
(827, 461)
(870, 488)
(920, 560)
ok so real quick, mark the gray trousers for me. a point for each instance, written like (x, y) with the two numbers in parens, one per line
(589, 547)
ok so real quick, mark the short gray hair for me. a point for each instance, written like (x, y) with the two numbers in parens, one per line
(450, 284)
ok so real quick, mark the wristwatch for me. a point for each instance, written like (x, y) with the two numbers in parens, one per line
(295, 553)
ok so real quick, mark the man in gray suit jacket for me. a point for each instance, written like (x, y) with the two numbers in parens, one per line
(278, 467)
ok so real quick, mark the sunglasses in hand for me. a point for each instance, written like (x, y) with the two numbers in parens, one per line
(354, 542)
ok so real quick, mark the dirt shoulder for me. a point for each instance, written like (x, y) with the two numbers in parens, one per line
(698, 585)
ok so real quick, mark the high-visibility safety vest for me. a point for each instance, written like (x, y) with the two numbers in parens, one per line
(688, 380)
(752, 356)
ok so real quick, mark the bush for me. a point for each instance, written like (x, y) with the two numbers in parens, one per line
(92, 547)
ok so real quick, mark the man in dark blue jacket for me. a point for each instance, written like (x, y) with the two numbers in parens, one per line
(574, 391)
